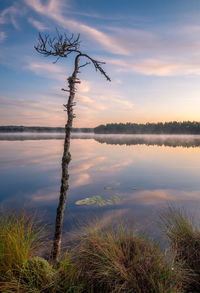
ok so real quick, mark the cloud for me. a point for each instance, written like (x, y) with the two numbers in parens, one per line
(49, 70)
(87, 101)
(115, 167)
(39, 110)
(10, 14)
(126, 105)
(86, 164)
(50, 7)
(80, 179)
(84, 86)
(157, 67)
(53, 9)
(37, 24)
(159, 196)
(2, 36)
(48, 194)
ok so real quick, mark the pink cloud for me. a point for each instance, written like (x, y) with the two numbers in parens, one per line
(156, 67)
(37, 24)
(53, 10)
(10, 14)
(2, 36)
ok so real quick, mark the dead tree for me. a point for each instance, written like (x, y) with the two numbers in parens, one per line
(61, 46)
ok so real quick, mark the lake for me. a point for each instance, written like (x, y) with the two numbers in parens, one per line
(135, 176)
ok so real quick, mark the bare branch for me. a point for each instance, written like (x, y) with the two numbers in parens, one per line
(62, 45)
(98, 66)
(59, 46)
(87, 63)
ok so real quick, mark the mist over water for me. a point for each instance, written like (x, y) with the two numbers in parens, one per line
(145, 171)
(153, 139)
(114, 139)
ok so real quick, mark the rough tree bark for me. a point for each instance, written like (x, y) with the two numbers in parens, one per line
(62, 46)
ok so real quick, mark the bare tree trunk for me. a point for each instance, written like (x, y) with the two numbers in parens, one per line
(72, 80)
(61, 46)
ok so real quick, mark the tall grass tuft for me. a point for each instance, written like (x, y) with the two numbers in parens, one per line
(20, 238)
(66, 279)
(118, 261)
(184, 239)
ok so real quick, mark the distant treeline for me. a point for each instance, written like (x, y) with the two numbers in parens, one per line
(174, 127)
(40, 129)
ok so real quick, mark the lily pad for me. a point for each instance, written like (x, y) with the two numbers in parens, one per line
(98, 200)
(136, 188)
(86, 201)
(108, 188)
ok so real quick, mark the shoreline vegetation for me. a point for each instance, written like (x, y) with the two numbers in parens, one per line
(21, 129)
(113, 260)
(174, 127)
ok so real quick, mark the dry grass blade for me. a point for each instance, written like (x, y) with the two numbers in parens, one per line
(119, 261)
(184, 239)
(20, 238)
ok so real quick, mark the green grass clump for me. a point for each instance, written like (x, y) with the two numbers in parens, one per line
(66, 280)
(108, 261)
(115, 262)
(37, 275)
(184, 239)
(20, 239)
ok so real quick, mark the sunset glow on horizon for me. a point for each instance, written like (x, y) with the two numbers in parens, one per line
(151, 50)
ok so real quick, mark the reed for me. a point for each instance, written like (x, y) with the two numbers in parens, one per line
(113, 260)
(116, 261)
(20, 239)
(184, 239)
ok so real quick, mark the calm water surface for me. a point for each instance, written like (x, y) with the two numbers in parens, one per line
(145, 172)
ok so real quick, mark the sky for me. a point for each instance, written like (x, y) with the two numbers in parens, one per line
(151, 50)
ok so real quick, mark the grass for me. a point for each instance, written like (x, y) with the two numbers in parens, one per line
(20, 239)
(109, 261)
(66, 278)
(119, 261)
(184, 239)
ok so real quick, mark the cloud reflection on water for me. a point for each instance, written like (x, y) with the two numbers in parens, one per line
(114, 139)
(163, 173)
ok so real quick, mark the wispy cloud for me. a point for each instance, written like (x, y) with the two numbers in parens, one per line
(49, 70)
(84, 86)
(37, 24)
(122, 103)
(45, 195)
(86, 164)
(53, 9)
(2, 36)
(158, 67)
(38, 111)
(80, 180)
(158, 49)
(10, 14)
(87, 101)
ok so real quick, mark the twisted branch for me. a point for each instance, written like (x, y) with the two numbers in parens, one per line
(61, 46)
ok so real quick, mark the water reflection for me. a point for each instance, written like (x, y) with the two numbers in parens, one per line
(158, 140)
(143, 171)
(114, 139)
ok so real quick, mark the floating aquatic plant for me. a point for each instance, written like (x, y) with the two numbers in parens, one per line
(99, 201)
(108, 188)
(136, 188)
